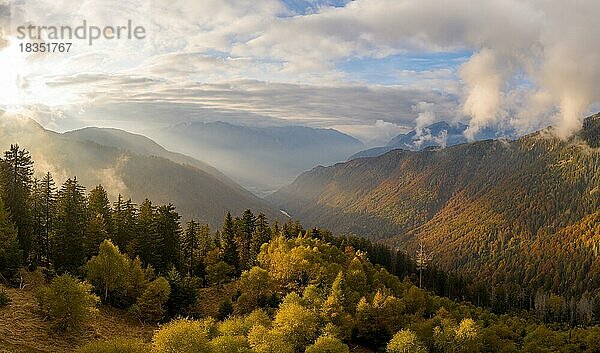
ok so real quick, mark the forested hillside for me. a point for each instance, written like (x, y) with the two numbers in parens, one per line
(132, 166)
(509, 213)
(94, 277)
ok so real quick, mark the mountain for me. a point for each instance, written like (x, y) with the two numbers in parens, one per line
(440, 134)
(134, 166)
(261, 159)
(524, 211)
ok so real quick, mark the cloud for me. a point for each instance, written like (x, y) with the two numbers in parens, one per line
(535, 62)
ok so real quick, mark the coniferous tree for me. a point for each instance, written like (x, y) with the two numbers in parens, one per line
(95, 234)
(10, 253)
(189, 247)
(124, 218)
(148, 239)
(243, 239)
(17, 180)
(169, 232)
(98, 204)
(68, 252)
(260, 235)
(228, 246)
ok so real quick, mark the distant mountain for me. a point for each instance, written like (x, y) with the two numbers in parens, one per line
(524, 211)
(440, 134)
(134, 166)
(262, 159)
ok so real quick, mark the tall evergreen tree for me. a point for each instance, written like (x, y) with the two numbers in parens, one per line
(68, 252)
(189, 247)
(148, 240)
(260, 236)
(10, 254)
(17, 180)
(124, 222)
(244, 229)
(95, 234)
(169, 232)
(48, 205)
(98, 204)
(230, 253)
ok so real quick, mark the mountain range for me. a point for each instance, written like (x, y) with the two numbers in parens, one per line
(440, 134)
(133, 166)
(262, 159)
(524, 211)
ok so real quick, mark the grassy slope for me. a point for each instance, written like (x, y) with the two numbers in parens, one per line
(22, 328)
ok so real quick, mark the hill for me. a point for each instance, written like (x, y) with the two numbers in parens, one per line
(133, 166)
(261, 159)
(440, 134)
(524, 211)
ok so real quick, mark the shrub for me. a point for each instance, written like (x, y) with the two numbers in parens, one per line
(184, 336)
(115, 346)
(4, 298)
(152, 304)
(67, 302)
(225, 309)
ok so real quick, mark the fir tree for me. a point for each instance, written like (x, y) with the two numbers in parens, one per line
(228, 246)
(17, 180)
(68, 252)
(169, 232)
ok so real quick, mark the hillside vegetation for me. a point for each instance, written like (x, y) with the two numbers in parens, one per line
(505, 212)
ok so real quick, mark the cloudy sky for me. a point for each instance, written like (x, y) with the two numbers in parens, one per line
(371, 68)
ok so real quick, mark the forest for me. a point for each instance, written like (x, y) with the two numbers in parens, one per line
(291, 289)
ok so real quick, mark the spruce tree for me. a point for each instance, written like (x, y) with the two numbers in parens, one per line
(169, 232)
(260, 236)
(228, 246)
(189, 247)
(17, 180)
(99, 204)
(68, 252)
(124, 222)
(10, 254)
(148, 242)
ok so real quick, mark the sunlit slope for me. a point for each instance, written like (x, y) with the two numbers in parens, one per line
(489, 207)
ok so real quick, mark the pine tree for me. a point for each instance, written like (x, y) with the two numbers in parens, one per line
(148, 239)
(244, 229)
(260, 236)
(124, 221)
(98, 204)
(95, 234)
(230, 253)
(10, 254)
(189, 247)
(169, 232)
(68, 252)
(17, 180)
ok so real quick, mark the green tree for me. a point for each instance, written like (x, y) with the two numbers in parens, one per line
(95, 234)
(261, 235)
(124, 221)
(328, 344)
(17, 179)
(99, 205)
(184, 336)
(43, 207)
(10, 252)
(169, 232)
(68, 252)
(228, 246)
(148, 239)
(67, 303)
(108, 270)
(152, 303)
(405, 341)
(297, 324)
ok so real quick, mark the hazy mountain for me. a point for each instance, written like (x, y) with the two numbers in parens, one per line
(507, 211)
(261, 159)
(134, 166)
(440, 134)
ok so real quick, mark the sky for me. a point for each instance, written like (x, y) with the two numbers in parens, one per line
(370, 68)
